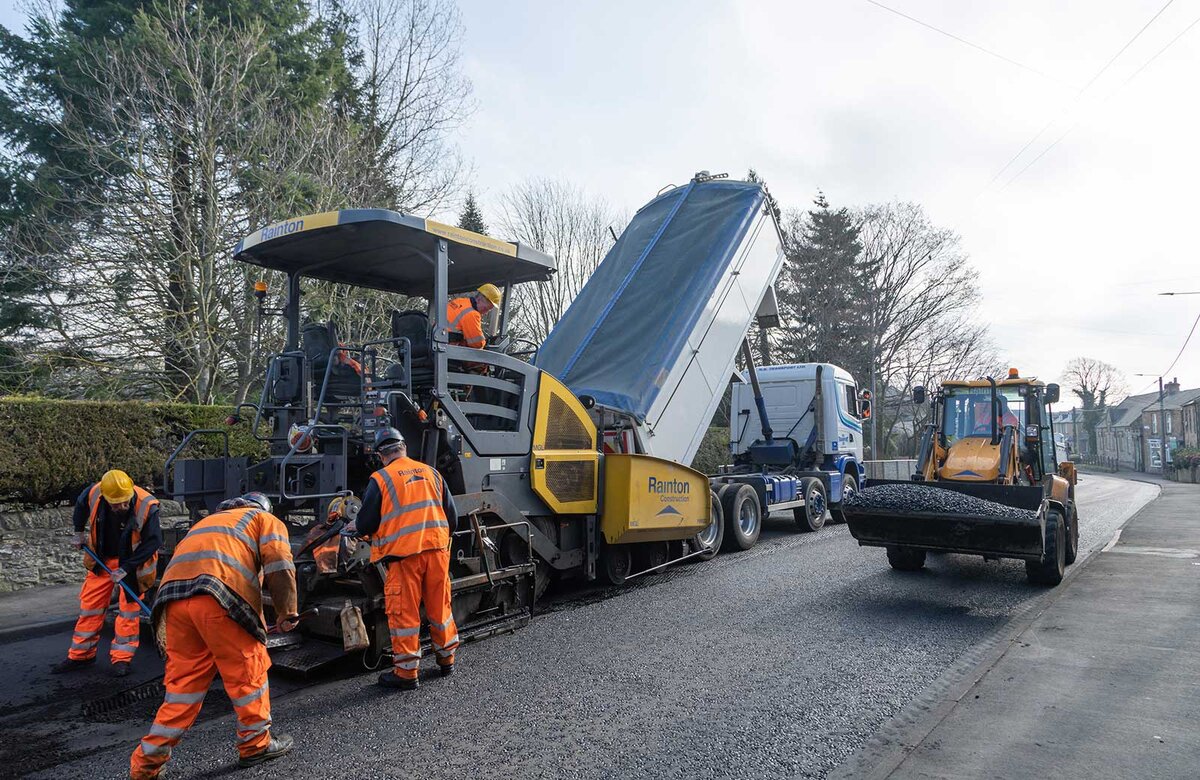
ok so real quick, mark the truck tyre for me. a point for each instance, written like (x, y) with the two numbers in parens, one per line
(906, 558)
(849, 488)
(709, 540)
(1072, 536)
(743, 517)
(1050, 569)
(811, 516)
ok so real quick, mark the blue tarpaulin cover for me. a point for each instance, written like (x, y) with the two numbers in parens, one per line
(625, 331)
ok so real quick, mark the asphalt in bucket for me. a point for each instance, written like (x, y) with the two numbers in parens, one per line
(917, 497)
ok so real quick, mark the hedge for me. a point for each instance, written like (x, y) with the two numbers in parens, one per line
(50, 450)
(713, 451)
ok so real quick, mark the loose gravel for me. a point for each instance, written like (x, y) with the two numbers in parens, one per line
(916, 497)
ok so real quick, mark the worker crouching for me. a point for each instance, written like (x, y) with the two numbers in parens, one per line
(408, 512)
(119, 523)
(208, 616)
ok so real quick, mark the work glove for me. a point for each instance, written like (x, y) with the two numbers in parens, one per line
(118, 574)
(288, 623)
(77, 540)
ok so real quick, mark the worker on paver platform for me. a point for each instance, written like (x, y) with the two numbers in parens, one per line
(465, 315)
(208, 619)
(408, 512)
(119, 522)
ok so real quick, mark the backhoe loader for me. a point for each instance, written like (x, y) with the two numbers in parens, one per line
(987, 482)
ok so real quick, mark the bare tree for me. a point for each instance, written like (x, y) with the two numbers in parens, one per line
(203, 147)
(561, 220)
(1097, 385)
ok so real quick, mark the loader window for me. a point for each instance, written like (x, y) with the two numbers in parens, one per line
(968, 412)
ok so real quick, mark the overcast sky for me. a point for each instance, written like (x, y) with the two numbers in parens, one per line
(623, 98)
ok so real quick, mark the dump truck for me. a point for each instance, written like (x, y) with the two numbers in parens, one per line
(549, 482)
(987, 482)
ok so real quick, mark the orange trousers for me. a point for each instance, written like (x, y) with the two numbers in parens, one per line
(421, 577)
(94, 598)
(203, 640)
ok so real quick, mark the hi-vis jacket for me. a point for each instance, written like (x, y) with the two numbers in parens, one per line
(407, 509)
(142, 526)
(465, 323)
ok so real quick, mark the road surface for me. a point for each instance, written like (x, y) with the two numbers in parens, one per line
(776, 662)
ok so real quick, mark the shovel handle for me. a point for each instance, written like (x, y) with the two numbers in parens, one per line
(124, 587)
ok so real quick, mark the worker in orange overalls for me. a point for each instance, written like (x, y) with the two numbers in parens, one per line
(119, 522)
(208, 617)
(464, 315)
(408, 513)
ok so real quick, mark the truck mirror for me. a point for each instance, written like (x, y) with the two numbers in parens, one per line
(864, 408)
(918, 395)
(1052, 393)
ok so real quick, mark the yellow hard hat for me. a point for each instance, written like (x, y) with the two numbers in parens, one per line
(491, 292)
(116, 486)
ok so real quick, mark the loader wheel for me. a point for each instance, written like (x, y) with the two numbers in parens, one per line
(849, 488)
(743, 517)
(906, 558)
(709, 540)
(1050, 569)
(811, 516)
(615, 563)
(1072, 536)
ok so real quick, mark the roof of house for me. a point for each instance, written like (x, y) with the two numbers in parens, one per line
(1129, 412)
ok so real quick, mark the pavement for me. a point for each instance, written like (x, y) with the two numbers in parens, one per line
(781, 661)
(1102, 680)
(38, 609)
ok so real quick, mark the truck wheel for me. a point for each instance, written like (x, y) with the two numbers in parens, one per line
(1049, 570)
(906, 558)
(849, 488)
(811, 516)
(1072, 536)
(709, 540)
(615, 563)
(743, 517)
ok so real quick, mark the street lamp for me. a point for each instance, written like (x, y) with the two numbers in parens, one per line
(1162, 425)
(1193, 292)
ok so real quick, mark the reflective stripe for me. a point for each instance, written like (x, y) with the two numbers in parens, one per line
(220, 529)
(273, 538)
(166, 732)
(151, 749)
(91, 612)
(406, 665)
(449, 647)
(444, 624)
(84, 635)
(405, 631)
(271, 568)
(411, 529)
(143, 510)
(249, 732)
(447, 653)
(213, 555)
(242, 701)
(127, 637)
(84, 645)
(245, 519)
(185, 698)
(390, 487)
(130, 615)
(473, 341)
(401, 510)
(459, 317)
(119, 646)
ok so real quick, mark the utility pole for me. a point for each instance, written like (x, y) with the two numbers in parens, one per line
(1162, 424)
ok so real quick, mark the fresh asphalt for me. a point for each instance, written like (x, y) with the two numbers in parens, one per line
(776, 662)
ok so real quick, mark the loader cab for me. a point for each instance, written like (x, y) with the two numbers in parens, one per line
(329, 386)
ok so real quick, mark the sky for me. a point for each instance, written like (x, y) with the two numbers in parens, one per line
(1072, 240)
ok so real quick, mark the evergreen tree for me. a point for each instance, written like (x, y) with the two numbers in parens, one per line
(822, 287)
(472, 216)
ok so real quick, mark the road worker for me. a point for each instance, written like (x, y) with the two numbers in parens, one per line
(119, 522)
(208, 618)
(408, 513)
(464, 315)
(982, 413)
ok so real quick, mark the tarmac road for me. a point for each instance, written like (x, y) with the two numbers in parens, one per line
(776, 662)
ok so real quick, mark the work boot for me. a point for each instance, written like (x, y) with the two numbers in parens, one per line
(121, 668)
(279, 744)
(393, 680)
(71, 665)
(446, 670)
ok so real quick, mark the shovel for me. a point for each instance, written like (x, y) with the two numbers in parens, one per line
(128, 591)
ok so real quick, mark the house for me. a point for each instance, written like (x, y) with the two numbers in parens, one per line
(1069, 430)
(1133, 432)
(1190, 412)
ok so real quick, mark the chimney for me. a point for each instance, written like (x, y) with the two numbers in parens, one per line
(1172, 387)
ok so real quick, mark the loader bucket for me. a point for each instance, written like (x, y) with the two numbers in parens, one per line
(1004, 521)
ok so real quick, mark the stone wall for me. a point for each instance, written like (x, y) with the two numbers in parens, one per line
(35, 545)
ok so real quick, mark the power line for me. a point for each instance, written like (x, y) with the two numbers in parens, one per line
(1181, 349)
(1111, 95)
(989, 52)
(1074, 100)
